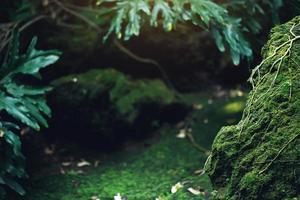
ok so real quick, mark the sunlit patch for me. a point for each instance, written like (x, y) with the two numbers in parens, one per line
(234, 107)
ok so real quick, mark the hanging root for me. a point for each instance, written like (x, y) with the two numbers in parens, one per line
(288, 44)
(285, 51)
(256, 73)
(279, 153)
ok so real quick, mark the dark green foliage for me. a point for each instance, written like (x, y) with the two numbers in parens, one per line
(24, 103)
(105, 103)
(259, 157)
(253, 8)
(17, 10)
(130, 15)
(290, 9)
(227, 21)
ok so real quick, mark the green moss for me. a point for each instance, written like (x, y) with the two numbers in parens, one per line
(125, 94)
(108, 104)
(144, 174)
(259, 157)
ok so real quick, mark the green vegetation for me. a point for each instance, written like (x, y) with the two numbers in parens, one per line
(206, 14)
(228, 22)
(24, 103)
(109, 104)
(146, 173)
(125, 95)
(259, 157)
(142, 99)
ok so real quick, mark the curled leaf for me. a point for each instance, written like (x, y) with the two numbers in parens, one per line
(194, 191)
(83, 163)
(176, 187)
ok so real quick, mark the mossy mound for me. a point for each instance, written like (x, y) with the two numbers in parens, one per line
(259, 157)
(109, 104)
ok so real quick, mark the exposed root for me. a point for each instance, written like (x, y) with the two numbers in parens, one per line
(260, 79)
(279, 153)
(196, 145)
(290, 43)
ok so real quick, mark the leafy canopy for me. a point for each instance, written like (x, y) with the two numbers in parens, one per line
(129, 16)
(228, 31)
(228, 21)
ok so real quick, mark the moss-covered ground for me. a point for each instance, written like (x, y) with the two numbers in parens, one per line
(149, 172)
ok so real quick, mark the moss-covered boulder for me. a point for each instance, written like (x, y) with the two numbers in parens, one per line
(259, 158)
(109, 105)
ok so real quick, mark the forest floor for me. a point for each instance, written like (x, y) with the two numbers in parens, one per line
(144, 170)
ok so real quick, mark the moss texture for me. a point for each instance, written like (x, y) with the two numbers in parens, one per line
(146, 175)
(108, 104)
(259, 157)
(143, 173)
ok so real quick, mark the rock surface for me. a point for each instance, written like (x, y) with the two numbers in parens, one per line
(259, 158)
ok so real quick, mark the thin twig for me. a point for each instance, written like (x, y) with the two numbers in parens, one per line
(78, 15)
(147, 61)
(22, 28)
(279, 153)
(279, 161)
(278, 62)
(34, 20)
(196, 145)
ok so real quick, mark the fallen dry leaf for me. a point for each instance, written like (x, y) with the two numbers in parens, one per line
(1, 133)
(83, 163)
(194, 191)
(95, 198)
(176, 187)
(182, 134)
(199, 171)
(197, 106)
(118, 197)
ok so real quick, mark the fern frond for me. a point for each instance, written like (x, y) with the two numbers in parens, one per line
(24, 103)
(131, 15)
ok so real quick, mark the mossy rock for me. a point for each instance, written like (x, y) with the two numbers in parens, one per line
(259, 158)
(108, 104)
